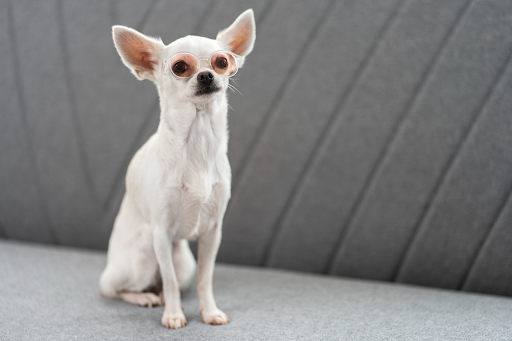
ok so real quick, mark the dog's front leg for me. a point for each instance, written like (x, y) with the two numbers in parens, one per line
(173, 314)
(207, 252)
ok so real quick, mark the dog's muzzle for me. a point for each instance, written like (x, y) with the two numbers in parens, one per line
(206, 84)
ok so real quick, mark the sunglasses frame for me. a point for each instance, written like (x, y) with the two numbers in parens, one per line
(167, 68)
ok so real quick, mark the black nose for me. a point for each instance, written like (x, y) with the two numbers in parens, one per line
(205, 77)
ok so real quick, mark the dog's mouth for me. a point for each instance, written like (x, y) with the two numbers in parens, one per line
(206, 90)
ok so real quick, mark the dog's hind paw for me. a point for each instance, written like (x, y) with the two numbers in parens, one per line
(215, 317)
(174, 321)
(144, 299)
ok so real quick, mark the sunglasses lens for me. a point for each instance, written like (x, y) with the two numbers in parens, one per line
(224, 64)
(183, 65)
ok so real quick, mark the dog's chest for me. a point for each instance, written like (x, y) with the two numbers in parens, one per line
(193, 208)
(193, 192)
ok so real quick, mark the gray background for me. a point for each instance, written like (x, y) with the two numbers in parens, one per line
(373, 138)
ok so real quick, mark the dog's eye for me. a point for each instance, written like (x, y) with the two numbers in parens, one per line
(179, 68)
(221, 63)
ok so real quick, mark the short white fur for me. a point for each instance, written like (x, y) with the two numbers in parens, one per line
(178, 183)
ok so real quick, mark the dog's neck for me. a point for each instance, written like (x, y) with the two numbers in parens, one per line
(191, 131)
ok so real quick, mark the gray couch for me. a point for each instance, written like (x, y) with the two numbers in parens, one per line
(372, 144)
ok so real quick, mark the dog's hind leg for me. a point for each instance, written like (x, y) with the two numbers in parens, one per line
(132, 269)
(112, 287)
(144, 299)
(184, 263)
(118, 286)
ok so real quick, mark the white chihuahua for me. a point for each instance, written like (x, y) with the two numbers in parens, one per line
(178, 184)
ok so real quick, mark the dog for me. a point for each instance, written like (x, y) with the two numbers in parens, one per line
(178, 184)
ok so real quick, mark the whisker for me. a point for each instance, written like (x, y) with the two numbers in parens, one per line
(233, 89)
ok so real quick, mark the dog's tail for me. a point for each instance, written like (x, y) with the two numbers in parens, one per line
(184, 263)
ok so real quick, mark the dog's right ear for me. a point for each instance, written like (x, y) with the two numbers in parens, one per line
(139, 53)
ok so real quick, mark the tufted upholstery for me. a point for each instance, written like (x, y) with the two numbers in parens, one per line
(373, 138)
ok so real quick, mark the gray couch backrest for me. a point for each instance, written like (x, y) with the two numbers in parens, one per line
(373, 138)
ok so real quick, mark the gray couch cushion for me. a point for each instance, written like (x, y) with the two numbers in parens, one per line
(51, 293)
(391, 163)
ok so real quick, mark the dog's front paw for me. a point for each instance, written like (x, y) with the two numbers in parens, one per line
(215, 317)
(174, 321)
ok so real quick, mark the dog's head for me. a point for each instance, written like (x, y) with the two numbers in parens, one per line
(195, 69)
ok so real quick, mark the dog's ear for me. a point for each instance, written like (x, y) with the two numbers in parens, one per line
(239, 37)
(139, 53)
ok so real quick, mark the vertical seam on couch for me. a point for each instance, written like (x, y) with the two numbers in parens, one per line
(146, 15)
(85, 165)
(463, 283)
(23, 113)
(446, 170)
(269, 114)
(347, 227)
(327, 129)
(107, 205)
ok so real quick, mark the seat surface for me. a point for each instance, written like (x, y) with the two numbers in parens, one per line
(52, 293)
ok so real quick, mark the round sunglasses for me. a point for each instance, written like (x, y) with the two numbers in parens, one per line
(186, 64)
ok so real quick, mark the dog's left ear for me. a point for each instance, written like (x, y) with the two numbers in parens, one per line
(239, 37)
(139, 52)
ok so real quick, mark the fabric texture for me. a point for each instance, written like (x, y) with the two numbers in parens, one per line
(372, 140)
(52, 293)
